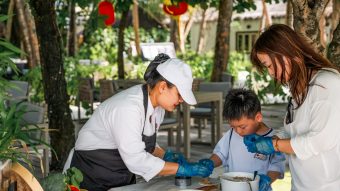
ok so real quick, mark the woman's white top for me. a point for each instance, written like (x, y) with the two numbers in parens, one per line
(118, 124)
(315, 136)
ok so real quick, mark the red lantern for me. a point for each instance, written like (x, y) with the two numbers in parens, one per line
(106, 8)
(175, 10)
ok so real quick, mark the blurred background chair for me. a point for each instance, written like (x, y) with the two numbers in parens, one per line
(123, 84)
(171, 123)
(85, 96)
(18, 90)
(204, 112)
(107, 89)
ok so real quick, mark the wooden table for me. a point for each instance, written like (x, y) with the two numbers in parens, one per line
(165, 183)
(202, 97)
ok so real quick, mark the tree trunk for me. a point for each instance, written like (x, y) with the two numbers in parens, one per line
(334, 47)
(266, 18)
(222, 40)
(136, 26)
(10, 20)
(122, 26)
(19, 4)
(72, 40)
(56, 97)
(202, 31)
(307, 15)
(174, 34)
(32, 36)
(289, 15)
(335, 17)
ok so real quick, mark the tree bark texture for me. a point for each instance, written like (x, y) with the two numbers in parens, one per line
(19, 4)
(121, 45)
(289, 15)
(72, 36)
(174, 34)
(201, 38)
(334, 47)
(135, 19)
(59, 113)
(32, 32)
(307, 14)
(222, 40)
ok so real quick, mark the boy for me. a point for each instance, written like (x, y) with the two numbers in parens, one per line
(242, 109)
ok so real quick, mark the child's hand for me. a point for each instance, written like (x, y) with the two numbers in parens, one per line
(208, 163)
(265, 182)
(259, 144)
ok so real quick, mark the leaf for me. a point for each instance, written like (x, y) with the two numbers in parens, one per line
(10, 47)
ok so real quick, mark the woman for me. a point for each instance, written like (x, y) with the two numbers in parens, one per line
(119, 140)
(313, 113)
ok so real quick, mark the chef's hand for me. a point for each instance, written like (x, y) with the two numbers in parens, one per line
(208, 163)
(264, 184)
(171, 156)
(193, 169)
(259, 144)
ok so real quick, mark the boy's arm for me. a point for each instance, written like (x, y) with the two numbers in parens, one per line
(273, 175)
(217, 161)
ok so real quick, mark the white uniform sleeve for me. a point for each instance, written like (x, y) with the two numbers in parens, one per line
(277, 164)
(127, 133)
(324, 131)
(222, 148)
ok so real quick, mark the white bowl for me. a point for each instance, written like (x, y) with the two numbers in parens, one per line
(228, 184)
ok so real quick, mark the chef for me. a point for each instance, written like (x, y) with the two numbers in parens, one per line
(119, 140)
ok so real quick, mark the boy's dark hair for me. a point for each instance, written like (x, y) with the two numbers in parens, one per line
(151, 75)
(241, 103)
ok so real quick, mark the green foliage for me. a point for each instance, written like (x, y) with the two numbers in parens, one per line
(73, 176)
(34, 78)
(53, 182)
(14, 132)
(201, 64)
(237, 62)
(263, 85)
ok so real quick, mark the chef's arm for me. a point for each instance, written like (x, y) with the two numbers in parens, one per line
(169, 168)
(158, 152)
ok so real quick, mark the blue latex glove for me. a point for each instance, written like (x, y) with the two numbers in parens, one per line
(170, 156)
(265, 181)
(208, 163)
(259, 144)
(193, 169)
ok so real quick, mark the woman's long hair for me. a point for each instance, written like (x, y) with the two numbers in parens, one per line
(280, 41)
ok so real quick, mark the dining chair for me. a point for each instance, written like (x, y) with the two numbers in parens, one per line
(85, 95)
(205, 111)
(107, 89)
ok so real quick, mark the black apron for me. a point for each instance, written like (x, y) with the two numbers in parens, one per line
(104, 168)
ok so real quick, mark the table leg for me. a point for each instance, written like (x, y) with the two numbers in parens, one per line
(213, 113)
(219, 116)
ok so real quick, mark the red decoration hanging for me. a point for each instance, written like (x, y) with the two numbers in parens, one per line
(106, 8)
(175, 10)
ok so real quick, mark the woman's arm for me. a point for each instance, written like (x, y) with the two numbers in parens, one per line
(169, 168)
(283, 145)
(158, 152)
